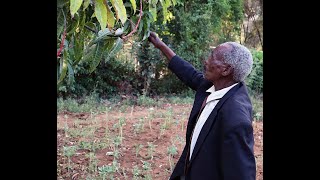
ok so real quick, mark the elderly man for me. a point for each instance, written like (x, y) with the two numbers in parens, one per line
(219, 137)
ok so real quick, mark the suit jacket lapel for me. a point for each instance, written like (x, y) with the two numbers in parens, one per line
(212, 117)
(196, 107)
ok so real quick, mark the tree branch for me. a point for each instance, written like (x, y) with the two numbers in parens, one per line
(135, 29)
(260, 39)
(132, 24)
(62, 42)
(63, 36)
(90, 29)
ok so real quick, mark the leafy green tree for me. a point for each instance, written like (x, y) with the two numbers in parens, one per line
(252, 26)
(94, 30)
(194, 28)
(90, 54)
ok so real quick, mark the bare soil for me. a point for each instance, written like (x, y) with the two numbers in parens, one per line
(155, 132)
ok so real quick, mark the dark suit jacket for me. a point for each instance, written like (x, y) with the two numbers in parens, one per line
(224, 149)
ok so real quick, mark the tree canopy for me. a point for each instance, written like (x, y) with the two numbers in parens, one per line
(95, 30)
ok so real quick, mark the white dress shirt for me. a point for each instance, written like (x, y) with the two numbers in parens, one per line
(211, 102)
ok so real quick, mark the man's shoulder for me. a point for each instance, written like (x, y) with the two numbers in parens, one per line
(240, 98)
(237, 109)
(205, 85)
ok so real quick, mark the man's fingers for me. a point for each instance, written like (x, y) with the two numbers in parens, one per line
(152, 37)
(153, 34)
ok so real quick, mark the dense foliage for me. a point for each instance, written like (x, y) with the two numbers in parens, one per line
(108, 63)
(95, 30)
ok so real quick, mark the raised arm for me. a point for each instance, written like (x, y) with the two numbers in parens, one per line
(181, 68)
(154, 39)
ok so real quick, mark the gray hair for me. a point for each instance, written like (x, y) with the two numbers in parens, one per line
(240, 59)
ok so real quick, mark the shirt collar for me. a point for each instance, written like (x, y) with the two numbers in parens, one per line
(218, 94)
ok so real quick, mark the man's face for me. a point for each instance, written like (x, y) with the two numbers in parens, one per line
(214, 65)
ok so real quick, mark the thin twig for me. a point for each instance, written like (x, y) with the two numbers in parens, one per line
(90, 29)
(62, 43)
(135, 29)
(132, 24)
(63, 36)
(255, 24)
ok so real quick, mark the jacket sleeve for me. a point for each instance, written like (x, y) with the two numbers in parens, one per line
(238, 162)
(186, 72)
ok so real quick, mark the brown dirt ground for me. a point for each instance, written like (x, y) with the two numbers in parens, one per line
(160, 167)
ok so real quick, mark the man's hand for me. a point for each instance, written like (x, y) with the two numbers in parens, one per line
(155, 40)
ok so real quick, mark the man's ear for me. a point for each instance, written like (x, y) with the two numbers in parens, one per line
(227, 70)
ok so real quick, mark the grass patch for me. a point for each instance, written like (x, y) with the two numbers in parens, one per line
(257, 106)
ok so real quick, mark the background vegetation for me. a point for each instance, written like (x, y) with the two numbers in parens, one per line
(116, 99)
(190, 28)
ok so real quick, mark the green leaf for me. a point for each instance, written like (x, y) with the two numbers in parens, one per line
(71, 49)
(165, 4)
(82, 20)
(78, 47)
(120, 10)
(65, 44)
(108, 47)
(70, 73)
(63, 66)
(174, 2)
(73, 25)
(110, 18)
(146, 35)
(115, 49)
(140, 26)
(91, 25)
(168, 3)
(89, 51)
(104, 32)
(86, 4)
(127, 27)
(154, 2)
(146, 30)
(74, 6)
(153, 11)
(164, 10)
(134, 5)
(100, 11)
(102, 35)
(148, 16)
(93, 15)
(61, 3)
(60, 22)
(97, 56)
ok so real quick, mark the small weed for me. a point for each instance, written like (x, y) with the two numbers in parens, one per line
(117, 141)
(138, 148)
(92, 162)
(151, 147)
(257, 106)
(69, 151)
(146, 168)
(85, 145)
(136, 172)
(172, 150)
(144, 100)
(138, 127)
(108, 171)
